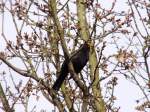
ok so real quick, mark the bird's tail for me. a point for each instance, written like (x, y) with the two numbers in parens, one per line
(58, 82)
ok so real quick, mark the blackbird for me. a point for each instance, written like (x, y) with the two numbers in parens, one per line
(78, 59)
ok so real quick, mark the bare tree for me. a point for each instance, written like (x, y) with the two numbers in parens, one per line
(49, 31)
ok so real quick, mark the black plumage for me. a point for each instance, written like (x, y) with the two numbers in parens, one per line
(78, 59)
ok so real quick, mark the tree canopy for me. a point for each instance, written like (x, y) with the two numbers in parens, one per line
(37, 36)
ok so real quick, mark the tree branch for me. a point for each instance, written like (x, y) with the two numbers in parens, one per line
(4, 100)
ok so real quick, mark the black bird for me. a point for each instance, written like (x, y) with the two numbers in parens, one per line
(78, 59)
